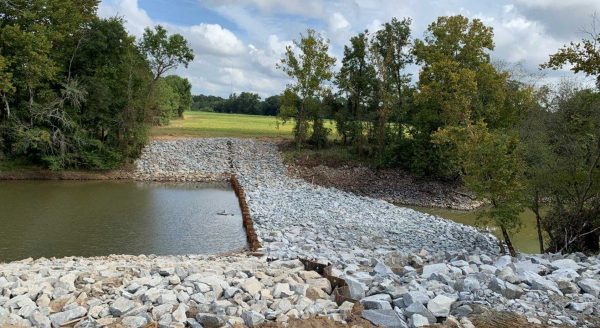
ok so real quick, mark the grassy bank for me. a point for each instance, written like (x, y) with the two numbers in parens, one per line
(204, 124)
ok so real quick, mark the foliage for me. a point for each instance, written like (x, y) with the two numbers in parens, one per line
(164, 52)
(74, 87)
(492, 167)
(583, 56)
(311, 69)
(183, 88)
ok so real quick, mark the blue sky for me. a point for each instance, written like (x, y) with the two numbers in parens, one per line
(238, 42)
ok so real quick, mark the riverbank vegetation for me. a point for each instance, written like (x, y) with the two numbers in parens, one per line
(512, 143)
(77, 91)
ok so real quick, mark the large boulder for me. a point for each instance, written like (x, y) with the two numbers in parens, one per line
(377, 302)
(384, 318)
(440, 305)
(590, 286)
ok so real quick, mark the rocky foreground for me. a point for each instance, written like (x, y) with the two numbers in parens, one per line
(406, 268)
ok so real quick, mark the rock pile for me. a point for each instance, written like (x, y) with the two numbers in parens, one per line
(406, 268)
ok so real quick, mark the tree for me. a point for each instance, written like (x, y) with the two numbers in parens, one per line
(493, 168)
(457, 86)
(357, 79)
(164, 52)
(311, 69)
(184, 90)
(584, 56)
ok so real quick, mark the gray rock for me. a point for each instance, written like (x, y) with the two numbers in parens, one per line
(381, 269)
(282, 290)
(440, 305)
(121, 306)
(377, 302)
(565, 264)
(430, 269)
(417, 320)
(251, 286)
(252, 318)
(134, 322)
(468, 284)
(209, 320)
(384, 318)
(590, 286)
(38, 319)
(160, 310)
(419, 309)
(63, 317)
(540, 283)
(415, 297)
(505, 288)
(356, 288)
(503, 261)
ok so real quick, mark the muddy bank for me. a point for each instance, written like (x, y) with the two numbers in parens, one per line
(394, 186)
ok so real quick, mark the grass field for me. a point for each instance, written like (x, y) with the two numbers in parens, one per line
(204, 124)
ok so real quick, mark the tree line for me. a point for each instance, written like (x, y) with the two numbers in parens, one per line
(244, 103)
(76, 90)
(513, 144)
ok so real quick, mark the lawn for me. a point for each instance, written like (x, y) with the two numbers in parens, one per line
(204, 124)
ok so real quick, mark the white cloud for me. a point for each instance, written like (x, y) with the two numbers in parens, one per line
(338, 22)
(213, 39)
(137, 18)
(241, 51)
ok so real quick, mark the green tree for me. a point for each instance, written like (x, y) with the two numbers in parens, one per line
(164, 52)
(357, 80)
(184, 89)
(457, 86)
(493, 168)
(311, 69)
(583, 56)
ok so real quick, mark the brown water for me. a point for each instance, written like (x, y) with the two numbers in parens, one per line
(93, 218)
(525, 239)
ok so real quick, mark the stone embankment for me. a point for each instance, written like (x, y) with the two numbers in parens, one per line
(406, 269)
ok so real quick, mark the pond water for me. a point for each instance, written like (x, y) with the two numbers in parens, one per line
(93, 218)
(524, 240)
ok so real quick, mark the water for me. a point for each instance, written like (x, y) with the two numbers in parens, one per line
(525, 239)
(93, 218)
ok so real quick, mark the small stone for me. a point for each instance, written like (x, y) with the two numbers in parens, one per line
(282, 290)
(252, 318)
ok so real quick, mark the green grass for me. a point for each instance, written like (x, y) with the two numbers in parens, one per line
(205, 124)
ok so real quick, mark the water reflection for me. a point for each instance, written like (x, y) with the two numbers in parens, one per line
(63, 218)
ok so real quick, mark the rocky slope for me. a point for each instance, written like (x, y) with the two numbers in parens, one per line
(406, 268)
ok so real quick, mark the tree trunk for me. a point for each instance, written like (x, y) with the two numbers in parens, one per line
(538, 221)
(509, 244)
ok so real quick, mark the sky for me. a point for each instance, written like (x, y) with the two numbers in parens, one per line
(237, 43)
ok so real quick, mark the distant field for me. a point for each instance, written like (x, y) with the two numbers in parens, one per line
(203, 124)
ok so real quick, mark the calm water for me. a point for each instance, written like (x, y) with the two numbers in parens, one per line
(63, 218)
(524, 240)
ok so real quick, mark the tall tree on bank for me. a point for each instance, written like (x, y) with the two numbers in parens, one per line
(311, 69)
(164, 52)
(357, 80)
(390, 53)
